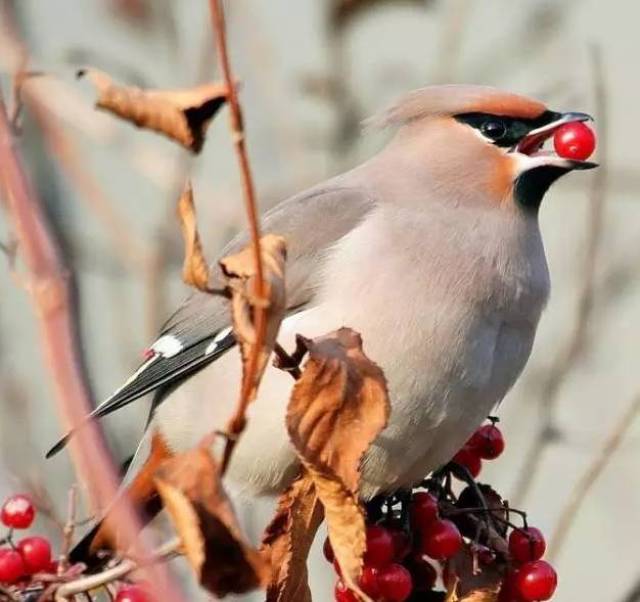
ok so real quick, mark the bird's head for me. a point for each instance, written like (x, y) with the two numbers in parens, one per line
(482, 142)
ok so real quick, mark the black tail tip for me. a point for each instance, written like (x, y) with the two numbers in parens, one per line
(82, 552)
(59, 446)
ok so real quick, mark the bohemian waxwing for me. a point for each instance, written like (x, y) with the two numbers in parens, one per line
(431, 250)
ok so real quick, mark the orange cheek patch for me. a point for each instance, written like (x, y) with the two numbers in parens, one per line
(500, 180)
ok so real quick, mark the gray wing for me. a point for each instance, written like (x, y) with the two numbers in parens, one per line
(199, 330)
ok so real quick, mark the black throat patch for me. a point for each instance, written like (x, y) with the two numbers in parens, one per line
(531, 186)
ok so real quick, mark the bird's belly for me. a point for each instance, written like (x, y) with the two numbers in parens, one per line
(429, 424)
(444, 378)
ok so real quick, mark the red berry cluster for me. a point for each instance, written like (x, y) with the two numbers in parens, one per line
(530, 578)
(28, 563)
(29, 555)
(413, 536)
(487, 443)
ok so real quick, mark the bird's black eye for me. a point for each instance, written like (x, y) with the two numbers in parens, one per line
(495, 129)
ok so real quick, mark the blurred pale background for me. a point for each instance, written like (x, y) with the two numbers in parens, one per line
(305, 87)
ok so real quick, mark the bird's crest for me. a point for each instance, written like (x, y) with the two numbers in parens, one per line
(454, 99)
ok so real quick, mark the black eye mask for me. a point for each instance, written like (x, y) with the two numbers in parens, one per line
(505, 131)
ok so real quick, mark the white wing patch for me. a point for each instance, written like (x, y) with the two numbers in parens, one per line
(211, 347)
(167, 346)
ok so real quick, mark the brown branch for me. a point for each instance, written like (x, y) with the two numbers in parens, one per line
(590, 476)
(237, 421)
(50, 292)
(6, 592)
(69, 528)
(550, 391)
(90, 582)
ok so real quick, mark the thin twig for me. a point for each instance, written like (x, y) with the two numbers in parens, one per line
(85, 584)
(551, 389)
(51, 295)
(590, 476)
(69, 528)
(237, 422)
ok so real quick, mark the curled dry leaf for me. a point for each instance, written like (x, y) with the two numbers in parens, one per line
(469, 583)
(337, 408)
(195, 270)
(182, 115)
(191, 490)
(240, 276)
(287, 541)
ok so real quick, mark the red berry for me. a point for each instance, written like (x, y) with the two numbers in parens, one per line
(401, 544)
(424, 510)
(11, 566)
(526, 544)
(379, 550)
(133, 593)
(369, 581)
(574, 141)
(342, 593)
(53, 567)
(327, 550)
(18, 512)
(36, 553)
(536, 580)
(395, 583)
(441, 540)
(487, 442)
(470, 459)
(423, 573)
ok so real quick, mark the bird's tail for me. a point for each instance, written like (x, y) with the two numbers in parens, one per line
(141, 493)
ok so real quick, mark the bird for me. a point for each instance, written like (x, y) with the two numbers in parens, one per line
(431, 250)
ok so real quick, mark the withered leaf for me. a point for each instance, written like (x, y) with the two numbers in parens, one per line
(469, 582)
(240, 277)
(182, 115)
(195, 270)
(191, 490)
(338, 407)
(287, 541)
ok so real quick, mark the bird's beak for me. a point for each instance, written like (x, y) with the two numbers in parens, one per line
(532, 154)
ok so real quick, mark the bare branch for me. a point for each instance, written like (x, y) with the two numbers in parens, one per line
(590, 476)
(52, 300)
(85, 584)
(69, 527)
(237, 422)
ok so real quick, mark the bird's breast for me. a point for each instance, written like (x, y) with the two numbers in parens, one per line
(448, 311)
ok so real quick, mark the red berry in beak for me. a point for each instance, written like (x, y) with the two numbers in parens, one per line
(574, 141)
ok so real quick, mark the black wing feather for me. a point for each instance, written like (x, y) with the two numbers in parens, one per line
(160, 371)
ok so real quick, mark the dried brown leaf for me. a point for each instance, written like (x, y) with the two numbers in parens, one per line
(195, 270)
(468, 582)
(182, 115)
(338, 407)
(191, 490)
(240, 276)
(287, 541)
